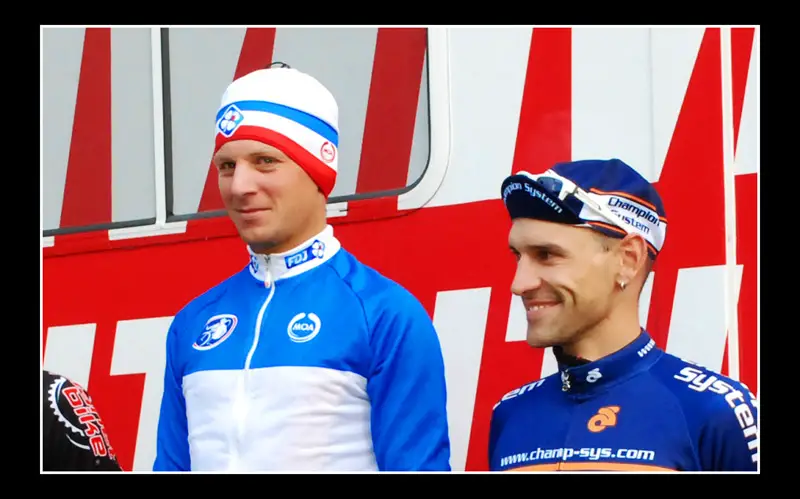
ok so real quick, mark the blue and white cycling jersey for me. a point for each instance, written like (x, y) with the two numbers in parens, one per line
(305, 360)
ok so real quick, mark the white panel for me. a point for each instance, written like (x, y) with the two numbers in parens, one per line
(747, 144)
(460, 320)
(341, 59)
(612, 96)
(69, 352)
(697, 329)
(674, 51)
(139, 348)
(549, 363)
(487, 69)
(202, 62)
(62, 50)
(644, 299)
(517, 327)
(132, 172)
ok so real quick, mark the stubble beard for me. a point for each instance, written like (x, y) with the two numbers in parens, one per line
(259, 243)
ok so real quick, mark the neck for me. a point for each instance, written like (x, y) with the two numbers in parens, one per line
(609, 335)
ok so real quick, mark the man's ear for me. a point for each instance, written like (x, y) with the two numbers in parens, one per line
(632, 251)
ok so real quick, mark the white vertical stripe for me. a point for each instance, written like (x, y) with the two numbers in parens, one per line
(69, 351)
(460, 319)
(729, 181)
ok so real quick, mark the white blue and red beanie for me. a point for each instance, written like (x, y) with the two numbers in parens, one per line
(289, 110)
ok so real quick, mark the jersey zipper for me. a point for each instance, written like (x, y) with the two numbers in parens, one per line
(565, 382)
(242, 402)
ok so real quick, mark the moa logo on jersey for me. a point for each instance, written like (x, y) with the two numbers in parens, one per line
(303, 328)
(217, 330)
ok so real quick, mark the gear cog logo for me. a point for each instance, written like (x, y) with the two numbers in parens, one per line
(53, 395)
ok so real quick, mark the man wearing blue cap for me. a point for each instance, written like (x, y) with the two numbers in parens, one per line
(305, 359)
(585, 235)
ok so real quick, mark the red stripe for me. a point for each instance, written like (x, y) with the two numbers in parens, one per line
(544, 137)
(256, 54)
(724, 369)
(545, 123)
(392, 109)
(322, 174)
(692, 171)
(87, 189)
(747, 256)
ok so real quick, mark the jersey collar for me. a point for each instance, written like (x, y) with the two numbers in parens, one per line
(620, 365)
(304, 257)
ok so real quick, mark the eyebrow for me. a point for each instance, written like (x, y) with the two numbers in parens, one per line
(549, 247)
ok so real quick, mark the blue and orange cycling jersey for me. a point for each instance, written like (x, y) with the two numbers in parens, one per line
(637, 409)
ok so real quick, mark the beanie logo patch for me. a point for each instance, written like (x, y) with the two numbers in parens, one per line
(230, 120)
(327, 152)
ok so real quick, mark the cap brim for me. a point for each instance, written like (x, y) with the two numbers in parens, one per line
(526, 198)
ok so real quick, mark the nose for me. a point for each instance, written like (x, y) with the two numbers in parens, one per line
(243, 182)
(526, 278)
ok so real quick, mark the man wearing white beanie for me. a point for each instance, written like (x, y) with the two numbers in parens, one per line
(306, 359)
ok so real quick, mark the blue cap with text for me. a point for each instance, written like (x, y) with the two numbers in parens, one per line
(606, 195)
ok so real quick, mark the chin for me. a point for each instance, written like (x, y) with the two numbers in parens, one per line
(258, 236)
(541, 339)
(540, 343)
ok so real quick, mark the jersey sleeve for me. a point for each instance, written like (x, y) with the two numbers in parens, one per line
(172, 440)
(494, 433)
(77, 440)
(730, 438)
(407, 389)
